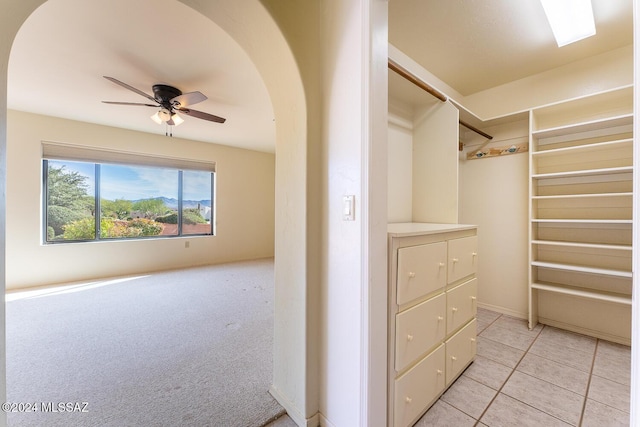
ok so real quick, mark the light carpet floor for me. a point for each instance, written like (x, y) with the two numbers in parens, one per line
(182, 348)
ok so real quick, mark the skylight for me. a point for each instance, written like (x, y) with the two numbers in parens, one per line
(570, 20)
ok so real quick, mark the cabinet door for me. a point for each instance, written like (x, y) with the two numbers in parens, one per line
(460, 350)
(462, 258)
(418, 329)
(421, 271)
(461, 304)
(418, 388)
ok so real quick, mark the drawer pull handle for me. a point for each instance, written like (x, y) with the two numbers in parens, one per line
(412, 274)
(441, 264)
(408, 399)
(409, 337)
(473, 298)
(454, 358)
(455, 260)
(440, 318)
(439, 372)
(474, 254)
(473, 340)
(454, 309)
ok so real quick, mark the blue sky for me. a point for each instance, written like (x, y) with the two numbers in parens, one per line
(135, 182)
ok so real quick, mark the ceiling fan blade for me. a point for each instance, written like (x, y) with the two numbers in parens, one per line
(131, 103)
(187, 99)
(201, 115)
(131, 88)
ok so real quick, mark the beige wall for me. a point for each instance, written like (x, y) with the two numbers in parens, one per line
(494, 194)
(400, 176)
(595, 74)
(244, 209)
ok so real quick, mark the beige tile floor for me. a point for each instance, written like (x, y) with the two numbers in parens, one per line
(544, 377)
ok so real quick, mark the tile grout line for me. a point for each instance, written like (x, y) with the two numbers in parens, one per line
(508, 377)
(586, 392)
(524, 403)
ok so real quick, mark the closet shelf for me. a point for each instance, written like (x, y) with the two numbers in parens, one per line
(584, 172)
(581, 175)
(581, 245)
(584, 221)
(581, 196)
(581, 292)
(582, 269)
(610, 122)
(580, 149)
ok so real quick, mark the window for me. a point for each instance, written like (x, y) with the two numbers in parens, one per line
(86, 201)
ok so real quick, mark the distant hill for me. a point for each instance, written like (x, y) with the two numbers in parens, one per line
(172, 203)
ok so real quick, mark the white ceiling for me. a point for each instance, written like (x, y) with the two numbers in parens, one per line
(473, 45)
(63, 50)
(66, 46)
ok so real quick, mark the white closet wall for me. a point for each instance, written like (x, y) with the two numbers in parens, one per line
(494, 194)
(399, 166)
(435, 164)
(423, 165)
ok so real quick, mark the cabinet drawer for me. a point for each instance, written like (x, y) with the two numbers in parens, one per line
(419, 329)
(461, 304)
(462, 258)
(460, 350)
(421, 270)
(417, 388)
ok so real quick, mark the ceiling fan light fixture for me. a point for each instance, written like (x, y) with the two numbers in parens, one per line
(570, 20)
(161, 116)
(156, 118)
(177, 120)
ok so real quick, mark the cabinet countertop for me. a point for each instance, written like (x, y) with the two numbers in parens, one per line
(405, 229)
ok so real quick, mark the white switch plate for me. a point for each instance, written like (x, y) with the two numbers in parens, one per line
(349, 208)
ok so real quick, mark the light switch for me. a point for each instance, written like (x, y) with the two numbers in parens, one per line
(348, 208)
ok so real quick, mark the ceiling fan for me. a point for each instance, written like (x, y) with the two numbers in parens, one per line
(170, 102)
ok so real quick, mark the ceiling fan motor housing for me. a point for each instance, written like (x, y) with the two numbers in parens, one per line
(164, 94)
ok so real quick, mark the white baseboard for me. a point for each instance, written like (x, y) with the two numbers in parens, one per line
(503, 310)
(293, 412)
(325, 422)
(585, 331)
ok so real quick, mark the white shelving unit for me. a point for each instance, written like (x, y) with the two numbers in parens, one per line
(581, 191)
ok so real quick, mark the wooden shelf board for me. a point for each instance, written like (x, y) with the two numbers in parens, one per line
(581, 245)
(581, 196)
(586, 172)
(625, 119)
(582, 148)
(586, 293)
(581, 269)
(584, 221)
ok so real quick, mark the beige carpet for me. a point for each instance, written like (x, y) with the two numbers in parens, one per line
(182, 348)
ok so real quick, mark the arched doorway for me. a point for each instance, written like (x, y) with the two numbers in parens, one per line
(254, 29)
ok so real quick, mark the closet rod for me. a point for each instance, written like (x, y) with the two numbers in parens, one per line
(415, 80)
(475, 129)
(403, 72)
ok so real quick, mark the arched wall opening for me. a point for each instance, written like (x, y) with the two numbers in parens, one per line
(250, 24)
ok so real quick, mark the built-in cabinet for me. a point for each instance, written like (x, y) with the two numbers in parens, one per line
(581, 192)
(432, 310)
